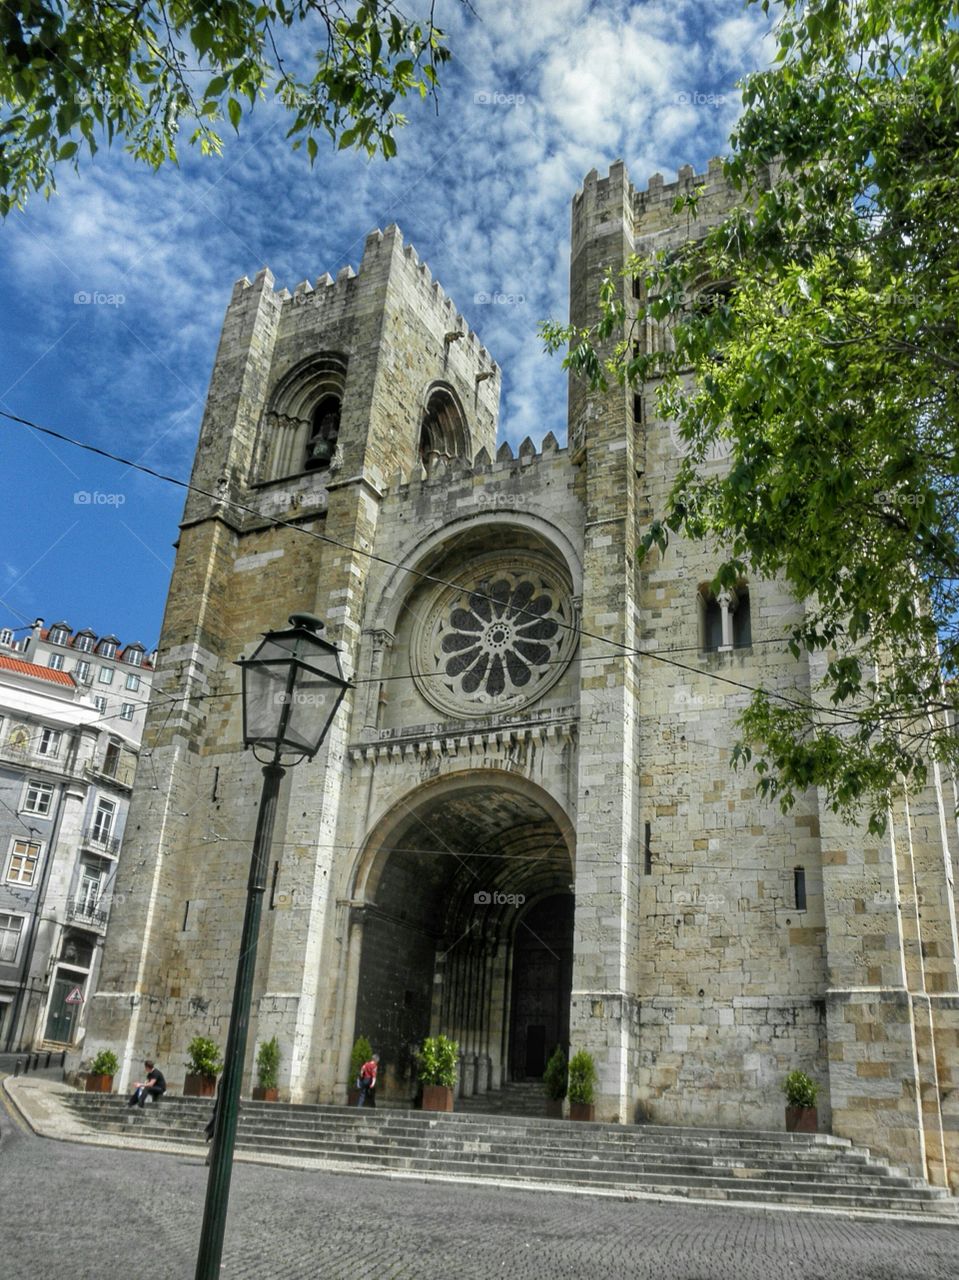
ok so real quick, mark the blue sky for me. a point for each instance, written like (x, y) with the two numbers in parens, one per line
(537, 95)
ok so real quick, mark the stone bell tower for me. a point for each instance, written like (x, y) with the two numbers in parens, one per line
(316, 399)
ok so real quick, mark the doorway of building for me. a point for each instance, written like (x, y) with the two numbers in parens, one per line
(542, 982)
(63, 1014)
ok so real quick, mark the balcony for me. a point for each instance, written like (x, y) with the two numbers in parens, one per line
(99, 842)
(81, 912)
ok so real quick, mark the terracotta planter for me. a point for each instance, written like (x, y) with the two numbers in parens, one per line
(802, 1120)
(262, 1094)
(199, 1086)
(437, 1097)
(554, 1108)
(582, 1111)
(99, 1084)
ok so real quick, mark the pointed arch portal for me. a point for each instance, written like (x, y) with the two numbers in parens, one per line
(467, 930)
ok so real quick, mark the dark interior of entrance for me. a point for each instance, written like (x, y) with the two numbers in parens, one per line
(542, 980)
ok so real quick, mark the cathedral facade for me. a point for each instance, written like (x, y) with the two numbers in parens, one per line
(523, 829)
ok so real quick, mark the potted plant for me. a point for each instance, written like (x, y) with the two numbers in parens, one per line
(582, 1086)
(267, 1071)
(554, 1083)
(202, 1068)
(102, 1070)
(801, 1114)
(436, 1066)
(362, 1052)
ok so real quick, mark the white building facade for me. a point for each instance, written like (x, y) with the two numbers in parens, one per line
(72, 706)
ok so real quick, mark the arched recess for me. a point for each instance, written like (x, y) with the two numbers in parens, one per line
(500, 528)
(443, 429)
(445, 887)
(301, 422)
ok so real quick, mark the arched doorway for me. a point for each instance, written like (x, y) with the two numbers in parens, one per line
(466, 908)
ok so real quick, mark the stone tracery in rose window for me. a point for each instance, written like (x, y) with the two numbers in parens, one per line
(500, 640)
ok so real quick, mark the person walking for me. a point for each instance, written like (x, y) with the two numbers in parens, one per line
(154, 1086)
(367, 1081)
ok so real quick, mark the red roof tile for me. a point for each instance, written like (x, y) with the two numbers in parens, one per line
(38, 673)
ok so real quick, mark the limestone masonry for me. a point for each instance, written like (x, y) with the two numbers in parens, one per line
(519, 831)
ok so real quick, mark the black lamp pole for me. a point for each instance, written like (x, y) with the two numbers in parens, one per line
(288, 669)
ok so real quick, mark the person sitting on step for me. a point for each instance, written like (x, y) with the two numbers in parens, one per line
(154, 1086)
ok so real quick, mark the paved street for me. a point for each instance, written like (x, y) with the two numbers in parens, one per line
(106, 1214)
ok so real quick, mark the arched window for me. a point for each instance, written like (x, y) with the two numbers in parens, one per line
(443, 433)
(724, 619)
(324, 430)
(301, 424)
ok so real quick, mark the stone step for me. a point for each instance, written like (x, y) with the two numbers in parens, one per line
(811, 1163)
(373, 1144)
(807, 1169)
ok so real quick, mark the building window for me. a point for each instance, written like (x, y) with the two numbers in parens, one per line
(443, 432)
(55, 662)
(324, 432)
(103, 821)
(11, 927)
(712, 624)
(106, 675)
(126, 711)
(81, 672)
(724, 619)
(133, 682)
(111, 758)
(84, 643)
(39, 798)
(100, 703)
(49, 744)
(6, 638)
(134, 657)
(108, 649)
(24, 859)
(799, 888)
(59, 635)
(88, 894)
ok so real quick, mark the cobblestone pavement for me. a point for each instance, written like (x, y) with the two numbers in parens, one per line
(105, 1214)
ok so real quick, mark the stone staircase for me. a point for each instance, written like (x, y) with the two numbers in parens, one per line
(716, 1164)
(520, 1098)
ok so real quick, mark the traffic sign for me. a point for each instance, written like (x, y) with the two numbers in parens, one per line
(75, 996)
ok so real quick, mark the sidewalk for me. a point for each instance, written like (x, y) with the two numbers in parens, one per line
(40, 1103)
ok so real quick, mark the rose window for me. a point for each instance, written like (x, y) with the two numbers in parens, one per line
(499, 641)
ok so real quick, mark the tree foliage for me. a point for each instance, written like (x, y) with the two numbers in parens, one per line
(827, 366)
(73, 74)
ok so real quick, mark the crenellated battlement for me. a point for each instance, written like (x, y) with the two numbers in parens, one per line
(445, 471)
(326, 291)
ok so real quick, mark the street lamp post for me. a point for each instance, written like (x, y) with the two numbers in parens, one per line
(292, 687)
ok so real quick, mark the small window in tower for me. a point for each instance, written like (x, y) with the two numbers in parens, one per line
(324, 431)
(799, 888)
(637, 409)
(742, 624)
(712, 628)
